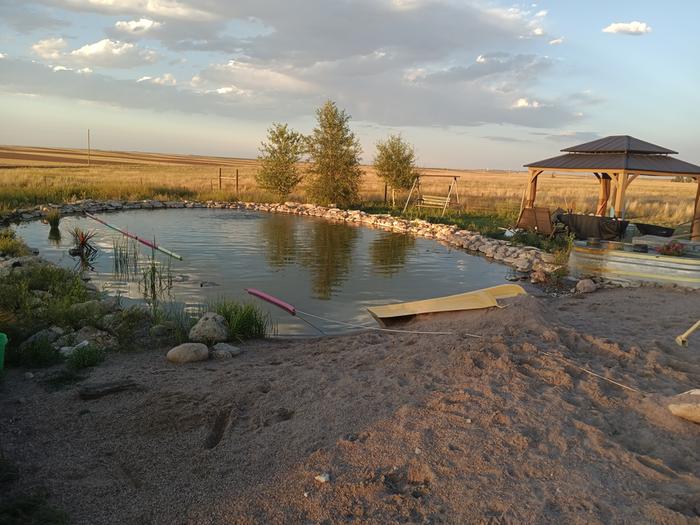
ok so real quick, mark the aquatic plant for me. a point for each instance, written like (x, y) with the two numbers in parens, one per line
(82, 238)
(176, 316)
(156, 281)
(125, 257)
(244, 320)
(53, 218)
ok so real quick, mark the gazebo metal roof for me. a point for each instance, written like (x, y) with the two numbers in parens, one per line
(619, 153)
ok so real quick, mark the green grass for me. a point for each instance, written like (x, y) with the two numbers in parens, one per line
(175, 315)
(85, 357)
(10, 245)
(244, 320)
(23, 314)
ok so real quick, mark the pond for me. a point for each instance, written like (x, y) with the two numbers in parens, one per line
(334, 270)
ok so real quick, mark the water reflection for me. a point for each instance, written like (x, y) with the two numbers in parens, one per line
(280, 240)
(388, 252)
(329, 256)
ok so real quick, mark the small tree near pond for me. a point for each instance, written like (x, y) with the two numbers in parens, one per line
(334, 156)
(279, 157)
(395, 163)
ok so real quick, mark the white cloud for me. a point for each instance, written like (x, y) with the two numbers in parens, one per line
(85, 70)
(137, 27)
(61, 68)
(113, 53)
(162, 8)
(50, 48)
(165, 80)
(481, 59)
(2, 55)
(526, 103)
(541, 14)
(250, 76)
(232, 90)
(557, 41)
(537, 31)
(628, 28)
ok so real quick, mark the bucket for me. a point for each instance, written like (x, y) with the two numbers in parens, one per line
(3, 343)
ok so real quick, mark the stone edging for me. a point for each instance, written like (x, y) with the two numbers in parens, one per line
(524, 259)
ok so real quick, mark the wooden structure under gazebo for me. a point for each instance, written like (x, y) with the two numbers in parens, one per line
(616, 161)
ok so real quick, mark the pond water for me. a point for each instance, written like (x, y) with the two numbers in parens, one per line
(334, 270)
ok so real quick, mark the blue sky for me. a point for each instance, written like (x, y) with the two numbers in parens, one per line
(472, 84)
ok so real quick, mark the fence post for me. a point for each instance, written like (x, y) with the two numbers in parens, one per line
(219, 178)
(237, 194)
(385, 188)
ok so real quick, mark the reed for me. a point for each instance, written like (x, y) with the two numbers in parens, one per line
(125, 258)
(156, 281)
(53, 218)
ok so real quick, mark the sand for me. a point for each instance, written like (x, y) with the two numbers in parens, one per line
(409, 429)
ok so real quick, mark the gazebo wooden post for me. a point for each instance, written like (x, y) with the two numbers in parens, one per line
(604, 193)
(620, 197)
(695, 226)
(532, 188)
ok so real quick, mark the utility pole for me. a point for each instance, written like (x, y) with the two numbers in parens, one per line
(88, 137)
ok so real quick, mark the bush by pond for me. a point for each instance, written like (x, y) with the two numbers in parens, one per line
(244, 320)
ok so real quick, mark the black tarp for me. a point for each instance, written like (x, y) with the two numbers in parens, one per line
(586, 226)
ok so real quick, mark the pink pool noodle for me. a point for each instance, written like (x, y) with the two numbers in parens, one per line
(273, 300)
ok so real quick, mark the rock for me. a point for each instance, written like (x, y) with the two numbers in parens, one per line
(50, 334)
(323, 478)
(538, 276)
(160, 330)
(585, 286)
(96, 337)
(686, 405)
(225, 350)
(97, 390)
(211, 328)
(28, 375)
(89, 310)
(66, 351)
(188, 353)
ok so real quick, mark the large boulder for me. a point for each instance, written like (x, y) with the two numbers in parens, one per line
(686, 405)
(211, 328)
(188, 353)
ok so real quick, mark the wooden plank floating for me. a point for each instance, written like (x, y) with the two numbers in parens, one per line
(611, 262)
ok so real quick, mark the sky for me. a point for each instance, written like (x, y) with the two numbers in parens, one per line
(470, 83)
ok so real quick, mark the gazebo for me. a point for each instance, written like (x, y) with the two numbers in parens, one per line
(616, 161)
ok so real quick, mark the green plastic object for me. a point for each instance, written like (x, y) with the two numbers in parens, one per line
(3, 342)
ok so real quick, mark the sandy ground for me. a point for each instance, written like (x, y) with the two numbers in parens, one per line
(410, 429)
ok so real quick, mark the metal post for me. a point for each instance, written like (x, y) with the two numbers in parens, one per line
(219, 178)
(88, 137)
(237, 194)
(385, 188)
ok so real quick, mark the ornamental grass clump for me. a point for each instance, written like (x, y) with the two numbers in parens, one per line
(244, 320)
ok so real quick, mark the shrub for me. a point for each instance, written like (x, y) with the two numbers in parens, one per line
(40, 354)
(85, 357)
(245, 321)
(10, 245)
(278, 157)
(334, 155)
(395, 163)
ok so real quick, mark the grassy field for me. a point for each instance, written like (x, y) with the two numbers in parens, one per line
(31, 176)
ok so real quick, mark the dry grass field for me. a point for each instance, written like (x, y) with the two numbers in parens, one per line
(30, 175)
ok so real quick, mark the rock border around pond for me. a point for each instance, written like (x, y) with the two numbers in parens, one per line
(524, 259)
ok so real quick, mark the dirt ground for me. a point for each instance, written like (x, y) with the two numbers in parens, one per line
(409, 428)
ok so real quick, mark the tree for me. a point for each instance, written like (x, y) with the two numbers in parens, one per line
(279, 156)
(334, 156)
(395, 163)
